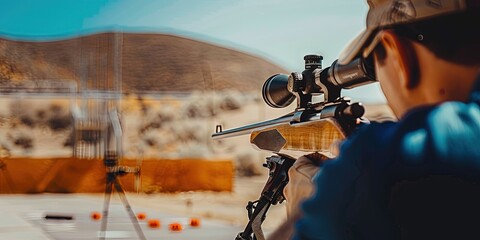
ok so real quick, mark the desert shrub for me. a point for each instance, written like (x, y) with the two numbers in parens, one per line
(231, 100)
(158, 120)
(23, 112)
(58, 118)
(56, 109)
(55, 116)
(27, 120)
(148, 126)
(41, 114)
(166, 114)
(194, 110)
(58, 122)
(200, 105)
(156, 139)
(210, 109)
(150, 142)
(70, 140)
(24, 142)
(247, 164)
(200, 109)
(186, 131)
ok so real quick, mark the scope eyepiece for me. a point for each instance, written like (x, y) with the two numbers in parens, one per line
(357, 73)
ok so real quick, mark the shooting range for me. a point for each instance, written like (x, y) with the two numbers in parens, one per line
(106, 132)
(58, 121)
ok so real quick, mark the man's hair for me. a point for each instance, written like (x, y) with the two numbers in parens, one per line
(454, 38)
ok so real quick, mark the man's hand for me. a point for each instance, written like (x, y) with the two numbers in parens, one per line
(300, 185)
(299, 188)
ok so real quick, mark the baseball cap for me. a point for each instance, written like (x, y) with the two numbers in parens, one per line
(387, 13)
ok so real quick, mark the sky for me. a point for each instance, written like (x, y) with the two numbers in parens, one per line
(282, 31)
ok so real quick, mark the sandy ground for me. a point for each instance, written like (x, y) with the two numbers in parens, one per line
(223, 206)
(222, 215)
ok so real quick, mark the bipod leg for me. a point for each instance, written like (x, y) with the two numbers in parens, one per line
(257, 222)
(259, 208)
(272, 193)
(133, 218)
(106, 205)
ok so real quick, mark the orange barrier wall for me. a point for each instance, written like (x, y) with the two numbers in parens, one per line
(69, 175)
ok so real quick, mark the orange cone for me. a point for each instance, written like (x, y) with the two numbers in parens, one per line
(154, 223)
(175, 227)
(194, 222)
(96, 215)
(141, 216)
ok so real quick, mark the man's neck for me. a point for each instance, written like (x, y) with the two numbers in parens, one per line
(445, 81)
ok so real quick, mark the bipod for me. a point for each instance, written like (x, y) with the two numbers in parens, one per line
(113, 171)
(272, 194)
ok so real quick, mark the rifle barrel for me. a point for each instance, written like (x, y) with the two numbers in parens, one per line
(252, 127)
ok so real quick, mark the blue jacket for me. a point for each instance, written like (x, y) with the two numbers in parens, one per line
(353, 193)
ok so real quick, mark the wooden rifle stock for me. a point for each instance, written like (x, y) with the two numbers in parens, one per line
(312, 130)
(313, 136)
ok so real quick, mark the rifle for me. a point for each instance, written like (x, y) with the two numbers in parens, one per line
(311, 127)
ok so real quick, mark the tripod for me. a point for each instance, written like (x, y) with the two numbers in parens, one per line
(113, 170)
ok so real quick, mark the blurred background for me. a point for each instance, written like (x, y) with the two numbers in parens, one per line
(163, 73)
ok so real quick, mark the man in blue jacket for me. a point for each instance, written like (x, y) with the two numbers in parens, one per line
(418, 178)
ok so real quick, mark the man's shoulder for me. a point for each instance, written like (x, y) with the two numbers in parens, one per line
(454, 130)
(446, 118)
(441, 126)
(449, 130)
(453, 117)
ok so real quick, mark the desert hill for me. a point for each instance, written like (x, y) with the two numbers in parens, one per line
(149, 62)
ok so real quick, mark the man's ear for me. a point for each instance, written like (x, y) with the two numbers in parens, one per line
(404, 57)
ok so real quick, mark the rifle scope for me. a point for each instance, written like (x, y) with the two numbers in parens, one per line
(281, 90)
